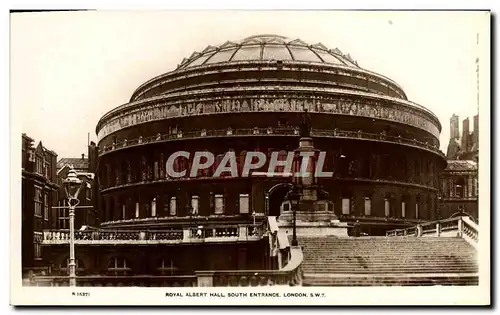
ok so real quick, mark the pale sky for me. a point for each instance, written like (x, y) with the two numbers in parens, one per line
(69, 68)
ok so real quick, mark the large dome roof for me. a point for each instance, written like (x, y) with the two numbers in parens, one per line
(267, 47)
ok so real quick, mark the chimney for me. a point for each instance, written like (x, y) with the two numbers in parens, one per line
(465, 135)
(454, 132)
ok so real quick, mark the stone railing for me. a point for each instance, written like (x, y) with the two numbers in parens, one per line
(115, 281)
(470, 231)
(187, 234)
(267, 131)
(288, 273)
(186, 219)
(458, 226)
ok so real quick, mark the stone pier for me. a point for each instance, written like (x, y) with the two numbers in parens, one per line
(314, 215)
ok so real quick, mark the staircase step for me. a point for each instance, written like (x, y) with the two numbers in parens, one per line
(368, 261)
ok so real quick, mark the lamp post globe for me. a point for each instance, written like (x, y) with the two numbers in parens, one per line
(72, 184)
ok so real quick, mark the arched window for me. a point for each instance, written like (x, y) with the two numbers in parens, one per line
(368, 206)
(387, 207)
(460, 187)
(162, 166)
(124, 173)
(194, 204)
(153, 207)
(156, 173)
(346, 205)
(244, 203)
(144, 169)
(173, 206)
(344, 165)
(219, 204)
(129, 172)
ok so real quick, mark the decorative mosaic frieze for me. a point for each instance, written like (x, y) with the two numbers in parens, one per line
(343, 106)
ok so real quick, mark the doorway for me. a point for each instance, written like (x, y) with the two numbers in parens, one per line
(276, 196)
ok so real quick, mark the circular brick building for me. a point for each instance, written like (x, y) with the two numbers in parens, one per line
(250, 95)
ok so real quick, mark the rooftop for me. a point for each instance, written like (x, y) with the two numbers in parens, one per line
(77, 163)
(461, 165)
(267, 47)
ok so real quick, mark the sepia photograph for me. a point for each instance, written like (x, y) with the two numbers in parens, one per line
(203, 156)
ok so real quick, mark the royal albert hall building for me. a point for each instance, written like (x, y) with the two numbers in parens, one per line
(250, 95)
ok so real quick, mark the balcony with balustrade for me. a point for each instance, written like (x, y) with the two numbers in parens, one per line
(172, 236)
(258, 132)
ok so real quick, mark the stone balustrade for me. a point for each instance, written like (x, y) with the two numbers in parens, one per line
(269, 131)
(457, 226)
(188, 234)
(176, 219)
(470, 231)
(116, 281)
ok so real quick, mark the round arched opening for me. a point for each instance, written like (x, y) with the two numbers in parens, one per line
(462, 213)
(276, 197)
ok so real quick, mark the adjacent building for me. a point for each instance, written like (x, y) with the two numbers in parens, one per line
(86, 215)
(459, 184)
(463, 145)
(39, 194)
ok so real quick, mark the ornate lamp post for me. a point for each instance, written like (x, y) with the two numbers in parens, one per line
(294, 197)
(254, 230)
(72, 185)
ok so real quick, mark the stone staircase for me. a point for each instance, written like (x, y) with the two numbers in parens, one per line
(372, 261)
